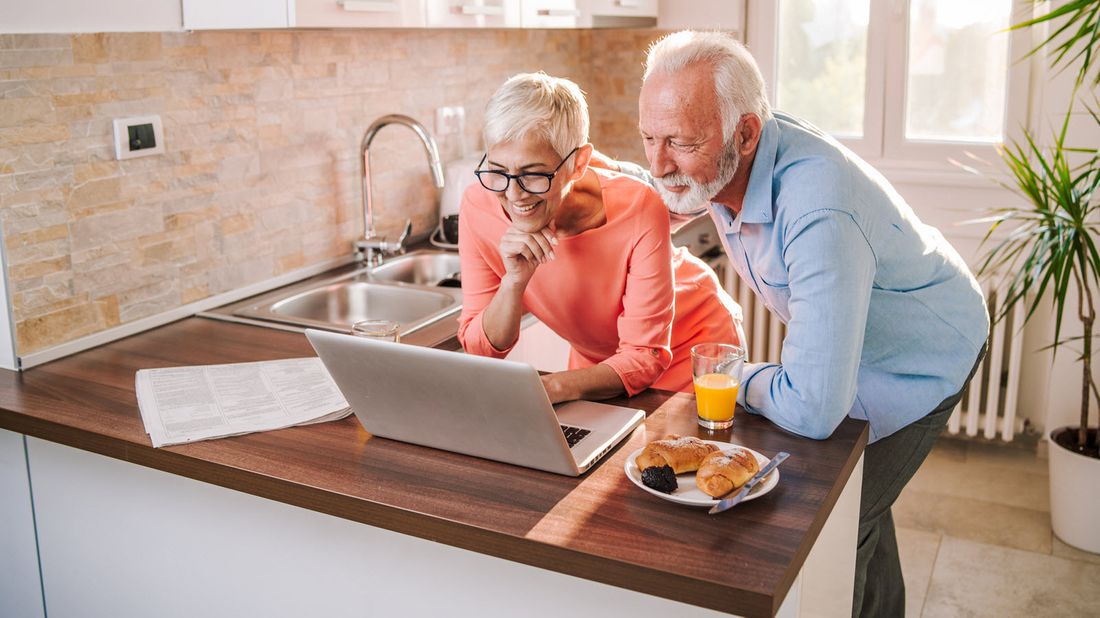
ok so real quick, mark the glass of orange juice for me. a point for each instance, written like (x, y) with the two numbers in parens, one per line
(716, 370)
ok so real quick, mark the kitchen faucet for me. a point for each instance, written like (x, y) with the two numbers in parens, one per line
(371, 248)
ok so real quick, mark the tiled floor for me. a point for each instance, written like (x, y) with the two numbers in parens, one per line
(975, 538)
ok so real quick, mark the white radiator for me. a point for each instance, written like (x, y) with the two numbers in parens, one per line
(989, 405)
(764, 332)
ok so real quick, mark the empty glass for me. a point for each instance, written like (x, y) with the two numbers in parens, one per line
(382, 330)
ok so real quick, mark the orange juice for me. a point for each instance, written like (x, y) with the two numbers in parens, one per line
(716, 396)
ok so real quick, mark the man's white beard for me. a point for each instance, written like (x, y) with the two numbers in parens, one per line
(699, 194)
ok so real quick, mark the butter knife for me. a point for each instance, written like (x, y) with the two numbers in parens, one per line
(739, 494)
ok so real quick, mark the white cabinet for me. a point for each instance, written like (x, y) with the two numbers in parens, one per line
(618, 13)
(20, 586)
(472, 13)
(702, 14)
(358, 13)
(549, 14)
(222, 15)
(218, 14)
(248, 14)
(69, 16)
(118, 539)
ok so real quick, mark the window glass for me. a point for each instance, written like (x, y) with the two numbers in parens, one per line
(822, 62)
(957, 70)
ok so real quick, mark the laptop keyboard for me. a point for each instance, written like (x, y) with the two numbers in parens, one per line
(573, 435)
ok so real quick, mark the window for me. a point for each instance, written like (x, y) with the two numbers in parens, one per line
(957, 68)
(822, 63)
(905, 83)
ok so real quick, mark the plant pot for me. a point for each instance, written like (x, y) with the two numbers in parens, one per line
(1074, 491)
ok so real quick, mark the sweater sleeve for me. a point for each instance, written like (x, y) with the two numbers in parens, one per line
(645, 324)
(479, 281)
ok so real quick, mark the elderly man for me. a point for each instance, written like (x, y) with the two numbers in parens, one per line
(885, 322)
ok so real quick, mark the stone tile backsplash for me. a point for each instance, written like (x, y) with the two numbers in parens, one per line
(260, 174)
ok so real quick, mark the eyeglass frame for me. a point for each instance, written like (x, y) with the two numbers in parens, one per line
(549, 176)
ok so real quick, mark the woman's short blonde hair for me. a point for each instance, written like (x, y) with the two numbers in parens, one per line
(552, 108)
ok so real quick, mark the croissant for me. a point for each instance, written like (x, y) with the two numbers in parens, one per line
(682, 454)
(723, 472)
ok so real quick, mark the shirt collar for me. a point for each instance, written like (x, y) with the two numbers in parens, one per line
(757, 205)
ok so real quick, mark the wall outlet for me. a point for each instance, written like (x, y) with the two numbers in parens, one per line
(450, 120)
(138, 137)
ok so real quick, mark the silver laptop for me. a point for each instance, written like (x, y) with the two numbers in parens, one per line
(468, 404)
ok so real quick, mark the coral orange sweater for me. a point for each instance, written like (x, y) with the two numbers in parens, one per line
(620, 294)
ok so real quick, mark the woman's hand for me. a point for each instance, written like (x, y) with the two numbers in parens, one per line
(596, 382)
(523, 252)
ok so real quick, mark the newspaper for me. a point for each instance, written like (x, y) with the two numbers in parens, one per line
(186, 404)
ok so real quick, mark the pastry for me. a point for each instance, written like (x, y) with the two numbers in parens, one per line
(661, 460)
(724, 471)
(682, 454)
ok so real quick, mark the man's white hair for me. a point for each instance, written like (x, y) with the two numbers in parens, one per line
(552, 108)
(738, 83)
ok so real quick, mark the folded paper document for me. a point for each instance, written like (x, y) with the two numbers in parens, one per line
(185, 404)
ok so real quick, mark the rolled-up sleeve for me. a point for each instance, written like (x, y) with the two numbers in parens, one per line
(645, 324)
(479, 284)
(831, 270)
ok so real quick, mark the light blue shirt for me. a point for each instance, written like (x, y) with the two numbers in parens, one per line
(884, 319)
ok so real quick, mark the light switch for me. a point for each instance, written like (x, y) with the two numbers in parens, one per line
(138, 137)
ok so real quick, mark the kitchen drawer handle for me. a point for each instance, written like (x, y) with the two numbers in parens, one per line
(559, 13)
(627, 4)
(479, 9)
(368, 6)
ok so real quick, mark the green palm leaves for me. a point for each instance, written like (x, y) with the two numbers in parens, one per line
(1049, 244)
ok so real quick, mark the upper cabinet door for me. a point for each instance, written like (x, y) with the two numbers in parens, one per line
(222, 15)
(618, 13)
(359, 13)
(549, 14)
(726, 15)
(472, 13)
(248, 14)
(234, 14)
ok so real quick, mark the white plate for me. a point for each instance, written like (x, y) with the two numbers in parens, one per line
(687, 492)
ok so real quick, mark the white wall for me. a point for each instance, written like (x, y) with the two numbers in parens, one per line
(29, 16)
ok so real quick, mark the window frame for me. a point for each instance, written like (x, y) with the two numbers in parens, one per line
(883, 143)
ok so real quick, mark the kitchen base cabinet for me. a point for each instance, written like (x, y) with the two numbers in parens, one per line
(327, 520)
(20, 587)
(118, 539)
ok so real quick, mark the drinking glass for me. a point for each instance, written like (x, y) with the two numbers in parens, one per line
(382, 330)
(716, 371)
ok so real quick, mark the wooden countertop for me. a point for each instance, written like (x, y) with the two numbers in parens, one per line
(599, 526)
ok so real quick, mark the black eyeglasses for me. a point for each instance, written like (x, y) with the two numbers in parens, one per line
(530, 182)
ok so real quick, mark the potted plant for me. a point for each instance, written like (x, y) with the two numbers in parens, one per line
(1050, 249)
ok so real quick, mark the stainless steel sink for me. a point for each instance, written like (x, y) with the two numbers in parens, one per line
(415, 290)
(421, 268)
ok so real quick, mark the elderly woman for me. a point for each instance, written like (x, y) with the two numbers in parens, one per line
(584, 249)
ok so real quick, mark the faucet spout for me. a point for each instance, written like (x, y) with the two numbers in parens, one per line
(367, 246)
